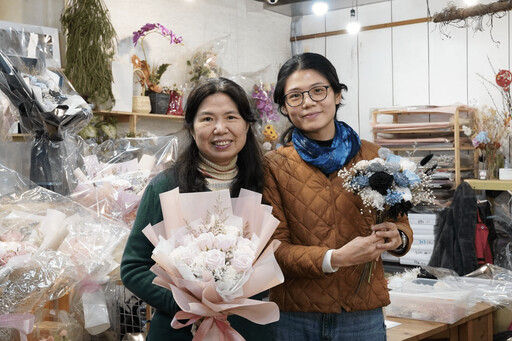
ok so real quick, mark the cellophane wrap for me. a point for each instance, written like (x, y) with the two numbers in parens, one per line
(115, 173)
(271, 124)
(205, 61)
(213, 253)
(489, 284)
(46, 106)
(50, 245)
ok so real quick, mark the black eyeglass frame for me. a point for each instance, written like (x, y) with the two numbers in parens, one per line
(309, 94)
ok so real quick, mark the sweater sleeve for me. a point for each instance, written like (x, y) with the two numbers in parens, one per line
(136, 261)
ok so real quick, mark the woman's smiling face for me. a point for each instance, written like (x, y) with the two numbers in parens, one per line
(219, 131)
(314, 119)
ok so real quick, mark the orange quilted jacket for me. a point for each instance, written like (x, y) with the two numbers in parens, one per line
(317, 214)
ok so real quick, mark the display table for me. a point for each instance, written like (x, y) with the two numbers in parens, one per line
(477, 325)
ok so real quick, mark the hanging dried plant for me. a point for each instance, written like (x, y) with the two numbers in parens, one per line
(452, 13)
(471, 16)
(91, 42)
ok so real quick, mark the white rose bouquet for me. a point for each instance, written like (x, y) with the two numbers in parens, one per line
(213, 252)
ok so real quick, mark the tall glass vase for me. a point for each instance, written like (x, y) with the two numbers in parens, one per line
(493, 160)
(491, 168)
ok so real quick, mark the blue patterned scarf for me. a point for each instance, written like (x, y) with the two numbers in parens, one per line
(344, 147)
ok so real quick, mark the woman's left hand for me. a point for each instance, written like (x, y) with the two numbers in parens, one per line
(389, 233)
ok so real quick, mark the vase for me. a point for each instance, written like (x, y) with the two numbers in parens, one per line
(141, 104)
(491, 168)
(159, 102)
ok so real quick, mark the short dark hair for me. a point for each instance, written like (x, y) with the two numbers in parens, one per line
(250, 171)
(305, 61)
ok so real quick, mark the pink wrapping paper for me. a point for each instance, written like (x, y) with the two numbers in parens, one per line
(24, 323)
(199, 300)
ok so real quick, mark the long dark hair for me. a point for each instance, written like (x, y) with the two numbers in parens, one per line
(305, 61)
(250, 171)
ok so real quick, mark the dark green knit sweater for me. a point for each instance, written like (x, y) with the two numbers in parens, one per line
(137, 277)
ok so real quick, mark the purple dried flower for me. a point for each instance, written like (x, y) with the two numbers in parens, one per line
(155, 28)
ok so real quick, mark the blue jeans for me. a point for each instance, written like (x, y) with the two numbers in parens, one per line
(345, 326)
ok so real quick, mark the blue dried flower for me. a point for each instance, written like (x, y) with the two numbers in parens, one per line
(376, 167)
(393, 197)
(401, 179)
(413, 178)
(384, 153)
(392, 167)
(360, 181)
(393, 158)
(482, 137)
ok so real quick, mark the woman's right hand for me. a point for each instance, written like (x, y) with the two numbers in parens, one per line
(358, 251)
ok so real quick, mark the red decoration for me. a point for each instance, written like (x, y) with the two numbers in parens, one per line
(503, 79)
(175, 103)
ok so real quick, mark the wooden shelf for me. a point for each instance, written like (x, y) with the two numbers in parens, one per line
(451, 125)
(20, 137)
(403, 149)
(137, 114)
(133, 117)
(492, 185)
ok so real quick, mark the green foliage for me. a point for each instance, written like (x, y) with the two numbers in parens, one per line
(91, 43)
(155, 77)
(100, 130)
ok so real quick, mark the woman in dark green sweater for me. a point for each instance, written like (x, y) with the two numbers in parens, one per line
(222, 154)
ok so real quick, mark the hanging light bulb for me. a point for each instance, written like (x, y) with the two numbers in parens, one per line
(353, 26)
(320, 7)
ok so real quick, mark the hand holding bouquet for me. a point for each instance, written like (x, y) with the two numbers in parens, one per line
(212, 252)
(390, 185)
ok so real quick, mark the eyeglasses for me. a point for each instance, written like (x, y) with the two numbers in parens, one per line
(317, 94)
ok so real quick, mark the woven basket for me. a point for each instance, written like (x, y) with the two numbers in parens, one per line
(141, 104)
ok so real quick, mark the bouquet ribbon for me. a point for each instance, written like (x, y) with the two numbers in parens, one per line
(220, 321)
(24, 323)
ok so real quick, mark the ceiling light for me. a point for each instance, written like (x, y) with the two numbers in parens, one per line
(320, 8)
(353, 26)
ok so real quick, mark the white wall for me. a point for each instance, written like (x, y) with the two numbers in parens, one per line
(255, 37)
(408, 65)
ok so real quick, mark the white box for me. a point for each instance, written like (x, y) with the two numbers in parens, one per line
(411, 261)
(422, 229)
(423, 239)
(423, 253)
(389, 258)
(422, 218)
(427, 247)
(421, 257)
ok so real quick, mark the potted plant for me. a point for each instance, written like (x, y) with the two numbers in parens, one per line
(149, 77)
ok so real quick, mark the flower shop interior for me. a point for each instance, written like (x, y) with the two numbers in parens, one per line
(427, 79)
